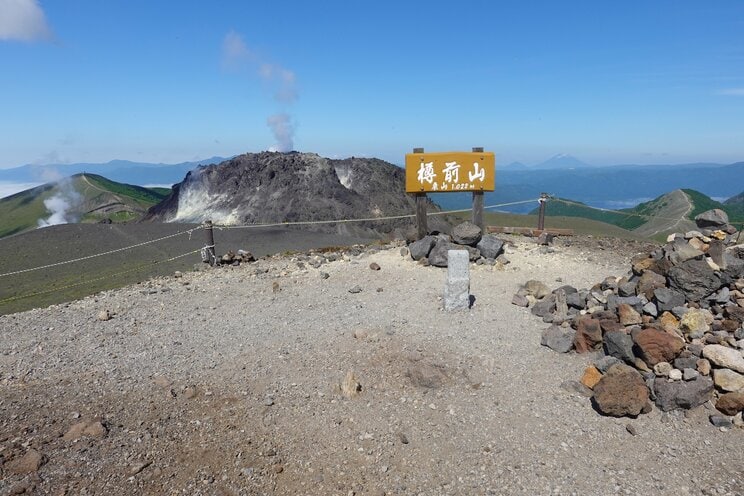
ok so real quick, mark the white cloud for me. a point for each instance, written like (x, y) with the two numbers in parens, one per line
(23, 20)
(731, 92)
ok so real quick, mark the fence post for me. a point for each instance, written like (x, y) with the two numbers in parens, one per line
(421, 223)
(541, 213)
(478, 201)
(212, 259)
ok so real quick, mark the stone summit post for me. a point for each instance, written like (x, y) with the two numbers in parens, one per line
(457, 287)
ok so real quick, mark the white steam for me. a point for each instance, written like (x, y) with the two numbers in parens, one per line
(236, 55)
(63, 206)
(281, 126)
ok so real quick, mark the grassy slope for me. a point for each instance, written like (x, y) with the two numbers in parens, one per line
(633, 218)
(22, 211)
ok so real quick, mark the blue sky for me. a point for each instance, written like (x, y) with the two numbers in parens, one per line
(608, 82)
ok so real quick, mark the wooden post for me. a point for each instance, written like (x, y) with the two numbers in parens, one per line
(211, 258)
(478, 201)
(421, 222)
(541, 213)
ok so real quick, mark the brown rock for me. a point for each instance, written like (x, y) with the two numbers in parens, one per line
(657, 346)
(731, 403)
(642, 263)
(668, 322)
(628, 315)
(611, 325)
(93, 429)
(703, 366)
(621, 392)
(648, 282)
(591, 376)
(374, 266)
(588, 334)
(27, 464)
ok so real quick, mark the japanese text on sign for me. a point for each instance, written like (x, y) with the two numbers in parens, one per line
(450, 171)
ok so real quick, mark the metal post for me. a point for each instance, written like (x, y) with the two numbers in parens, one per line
(541, 213)
(421, 223)
(211, 258)
(478, 201)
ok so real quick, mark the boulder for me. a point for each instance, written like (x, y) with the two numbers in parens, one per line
(619, 345)
(421, 248)
(695, 279)
(725, 357)
(560, 339)
(544, 307)
(621, 392)
(684, 252)
(682, 394)
(588, 334)
(715, 219)
(490, 246)
(730, 403)
(466, 233)
(656, 346)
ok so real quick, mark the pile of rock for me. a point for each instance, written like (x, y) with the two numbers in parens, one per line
(482, 248)
(670, 331)
(235, 259)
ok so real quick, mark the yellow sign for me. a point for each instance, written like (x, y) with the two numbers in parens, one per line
(450, 171)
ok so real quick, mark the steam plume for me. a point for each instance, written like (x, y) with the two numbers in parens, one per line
(63, 206)
(281, 126)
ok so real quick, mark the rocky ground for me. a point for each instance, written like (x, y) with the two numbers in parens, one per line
(274, 378)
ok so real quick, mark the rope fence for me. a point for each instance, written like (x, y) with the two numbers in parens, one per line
(208, 255)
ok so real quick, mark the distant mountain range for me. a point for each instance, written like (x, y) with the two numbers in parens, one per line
(117, 170)
(562, 176)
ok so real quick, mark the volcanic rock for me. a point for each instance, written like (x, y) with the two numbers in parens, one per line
(619, 345)
(730, 403)
(271, 187)
(724, 357)
(715, 219)
(27, 464)
(490, 246)
(648, 282)
(682, 394)
(621, 392)
(560, 339)
(657, 346)
(466, 233)
(695, 279)
(536, 288)
(588, 334)
(728, 380)
(667, 298)
(628, 315)
(421, 248)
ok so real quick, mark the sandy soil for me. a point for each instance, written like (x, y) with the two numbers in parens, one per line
(226, 382)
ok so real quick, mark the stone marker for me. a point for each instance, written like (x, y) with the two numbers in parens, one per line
(457, 287)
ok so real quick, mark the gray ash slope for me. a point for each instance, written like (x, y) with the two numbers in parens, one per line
(271, 187)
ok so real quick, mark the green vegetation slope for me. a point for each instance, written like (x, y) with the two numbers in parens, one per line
(80, 198)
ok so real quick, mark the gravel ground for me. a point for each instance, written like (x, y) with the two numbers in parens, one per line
(226, 382)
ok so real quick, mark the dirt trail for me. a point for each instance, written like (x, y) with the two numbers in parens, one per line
(679, 207)
(226, 382)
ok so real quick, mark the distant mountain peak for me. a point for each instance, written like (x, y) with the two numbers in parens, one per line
(562, 161)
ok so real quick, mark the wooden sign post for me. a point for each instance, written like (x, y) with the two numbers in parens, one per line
(449, 172)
